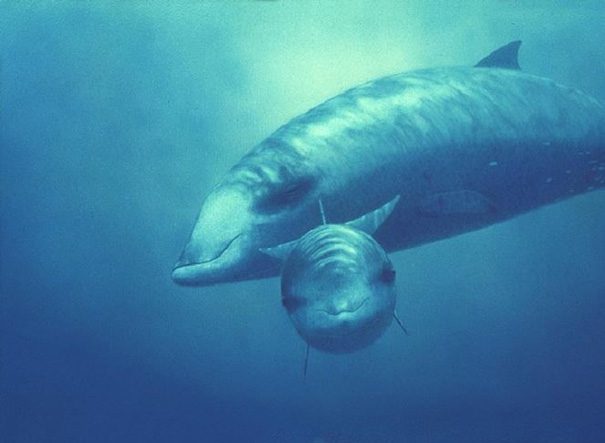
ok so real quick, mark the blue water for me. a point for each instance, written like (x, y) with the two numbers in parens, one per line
(115, 121)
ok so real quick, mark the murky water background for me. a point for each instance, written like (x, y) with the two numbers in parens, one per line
(116, 119)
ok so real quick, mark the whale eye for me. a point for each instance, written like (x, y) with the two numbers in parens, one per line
(292, 303)
(286, 195)
(388, 275)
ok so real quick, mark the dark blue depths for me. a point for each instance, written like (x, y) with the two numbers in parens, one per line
(116, 120)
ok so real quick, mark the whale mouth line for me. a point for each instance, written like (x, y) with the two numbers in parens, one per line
(345, 311)
(210, 260)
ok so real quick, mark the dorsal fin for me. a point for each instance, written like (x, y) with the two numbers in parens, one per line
(504, 57)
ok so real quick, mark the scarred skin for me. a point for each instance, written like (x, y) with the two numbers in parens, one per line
(464, 147)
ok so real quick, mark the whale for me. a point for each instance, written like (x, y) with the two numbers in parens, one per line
(338, 283)
(338, 287)
(465, 147)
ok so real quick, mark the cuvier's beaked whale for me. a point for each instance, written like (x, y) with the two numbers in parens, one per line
(338, 287)
(338, 284)
(465, 147)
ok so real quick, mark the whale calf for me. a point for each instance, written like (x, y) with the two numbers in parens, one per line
(465, 147)
(338, 287)
(338, 284)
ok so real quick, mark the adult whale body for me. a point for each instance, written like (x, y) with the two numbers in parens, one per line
(465, 147)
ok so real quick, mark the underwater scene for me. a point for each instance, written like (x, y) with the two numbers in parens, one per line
(315, 221)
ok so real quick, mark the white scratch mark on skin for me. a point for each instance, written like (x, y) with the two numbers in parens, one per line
(493, 163)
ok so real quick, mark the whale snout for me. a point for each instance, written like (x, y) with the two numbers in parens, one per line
(199, 265)
(344, 308)
(194, 255)
(234, 260)
(220, 241)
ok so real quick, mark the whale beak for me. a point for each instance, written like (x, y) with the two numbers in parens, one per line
(182, 273)
(345, 310)
(194, 267)
(188, 274)
(216, 247)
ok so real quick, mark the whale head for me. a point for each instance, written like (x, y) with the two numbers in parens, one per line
(269, 197)
(338, 287)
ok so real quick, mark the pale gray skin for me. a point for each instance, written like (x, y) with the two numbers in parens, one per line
(338, 286)
(464, 147)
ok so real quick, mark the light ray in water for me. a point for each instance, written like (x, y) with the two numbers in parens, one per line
(322, 212)
(306, 363)
(400, 323)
